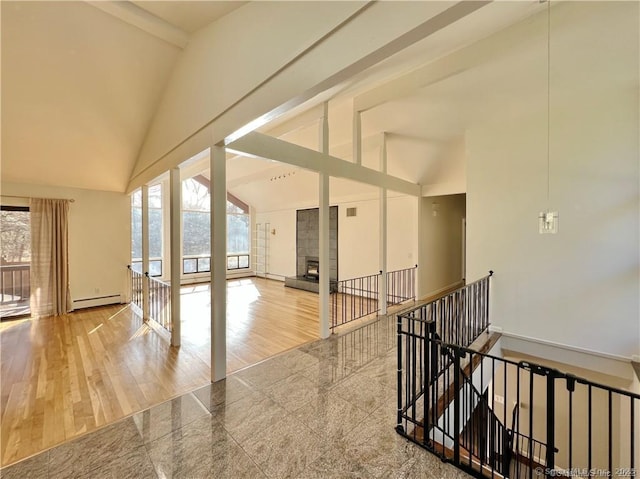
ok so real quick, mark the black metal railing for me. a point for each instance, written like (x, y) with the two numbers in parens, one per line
(354, 298)
(457, 403)
(357, 298)
(155, 266)
(136, 285)
(401, 285)
(159, 296)
(459, 316)
(160, 302)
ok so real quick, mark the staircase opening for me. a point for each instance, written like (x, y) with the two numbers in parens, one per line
(496, 418)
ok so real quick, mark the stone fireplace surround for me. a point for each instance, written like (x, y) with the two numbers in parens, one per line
(307, 247)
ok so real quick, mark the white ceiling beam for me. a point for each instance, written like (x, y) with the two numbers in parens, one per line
(145, 21)
(264, 146)
(446, 67)
(303, 120)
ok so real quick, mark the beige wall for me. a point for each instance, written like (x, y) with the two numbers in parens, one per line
(358, 237)
(99, 237)
(580, 286)
(440, 243)
(621, 417)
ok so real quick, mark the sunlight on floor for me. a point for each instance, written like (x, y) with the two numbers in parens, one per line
(142, 331)
(6, 324)
(246, 292)
(113, 316)
(96, 328)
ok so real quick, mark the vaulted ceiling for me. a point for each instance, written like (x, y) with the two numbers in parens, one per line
(81, 83)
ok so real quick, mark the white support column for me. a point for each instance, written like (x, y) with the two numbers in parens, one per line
(218, 197)
(323, 139)
(383, 230)
(420, 280)
(357, 137)
(323, 247)
(175, 250)
(145, 252)
(324, 254)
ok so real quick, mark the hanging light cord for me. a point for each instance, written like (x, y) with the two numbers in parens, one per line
(548, 99)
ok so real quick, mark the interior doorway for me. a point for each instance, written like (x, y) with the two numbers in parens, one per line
(15, 261)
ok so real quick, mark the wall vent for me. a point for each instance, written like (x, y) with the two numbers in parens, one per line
(352, 211)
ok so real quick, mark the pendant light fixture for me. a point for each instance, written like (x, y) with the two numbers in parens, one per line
(547, 219)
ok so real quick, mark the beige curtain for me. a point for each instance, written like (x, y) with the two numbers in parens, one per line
(50, 293)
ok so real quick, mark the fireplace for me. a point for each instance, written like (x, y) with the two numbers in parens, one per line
(312, 269)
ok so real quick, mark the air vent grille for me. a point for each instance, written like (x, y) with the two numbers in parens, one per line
(352, 211)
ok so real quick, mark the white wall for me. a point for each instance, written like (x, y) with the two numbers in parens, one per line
(358, 237)
(581, 286)
(99, 236)
(282, 244)
(440, 243)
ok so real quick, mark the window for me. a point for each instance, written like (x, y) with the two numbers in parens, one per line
(196, 221)
(238, 236)
(196, 224)
(155, 230)
(15, 260)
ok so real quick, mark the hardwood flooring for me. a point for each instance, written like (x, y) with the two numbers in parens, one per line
(64, 376)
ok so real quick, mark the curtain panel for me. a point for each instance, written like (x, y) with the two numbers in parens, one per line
(50, 294)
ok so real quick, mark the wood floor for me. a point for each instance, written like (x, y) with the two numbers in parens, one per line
(64, 376)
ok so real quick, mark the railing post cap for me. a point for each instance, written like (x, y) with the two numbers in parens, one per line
(490, 272)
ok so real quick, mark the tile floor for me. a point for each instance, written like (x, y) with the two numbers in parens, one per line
(324, 410)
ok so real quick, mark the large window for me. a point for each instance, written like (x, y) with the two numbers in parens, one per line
(238, 236)
(15, 260)
(196, 224)
(155, 230)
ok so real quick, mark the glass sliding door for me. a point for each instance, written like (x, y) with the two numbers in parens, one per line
(15, 261)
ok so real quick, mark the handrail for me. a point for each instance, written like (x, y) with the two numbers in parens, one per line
(355, 298)
(159, 297)
(426, 417)
(419, 304)
(460, 315)
(160, 302)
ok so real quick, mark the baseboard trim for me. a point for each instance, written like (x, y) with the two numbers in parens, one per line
(275, 277)
(97, 301)
(568, 347)
(606, 363)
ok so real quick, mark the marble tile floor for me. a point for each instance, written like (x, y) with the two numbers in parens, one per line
(324, 410)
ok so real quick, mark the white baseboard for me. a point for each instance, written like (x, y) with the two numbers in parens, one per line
(606, 363)
(635, 358)
(98, 301)
(277, 277)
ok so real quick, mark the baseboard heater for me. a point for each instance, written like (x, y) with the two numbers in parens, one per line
(97, 301)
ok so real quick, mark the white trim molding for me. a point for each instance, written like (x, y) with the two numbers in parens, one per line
(605, 363)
